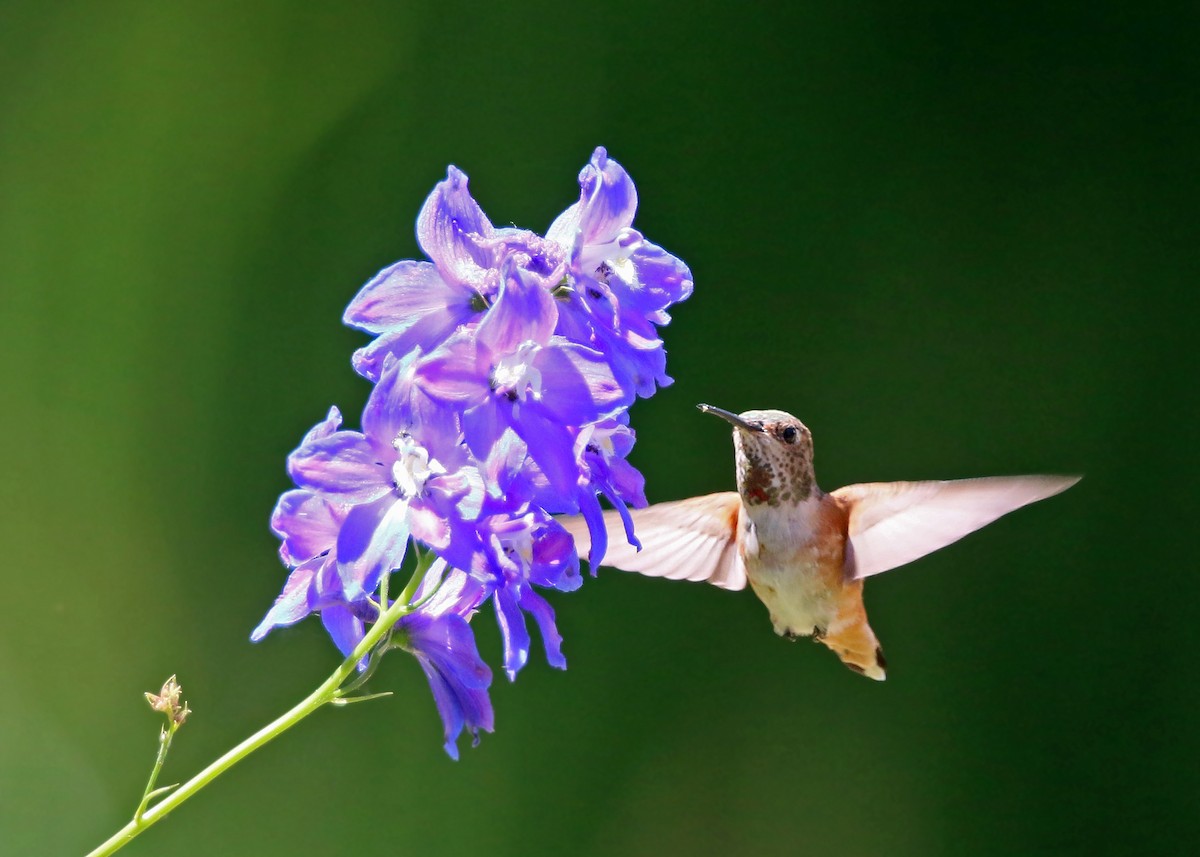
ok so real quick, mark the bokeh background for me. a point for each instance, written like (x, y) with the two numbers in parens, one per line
(955, 241)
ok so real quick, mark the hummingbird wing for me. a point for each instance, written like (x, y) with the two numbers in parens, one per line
(893, 523)
(694, 539)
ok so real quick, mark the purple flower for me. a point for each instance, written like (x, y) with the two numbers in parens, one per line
(602, 447)
(504, 367)
(314, 585)
(309, 527)
(614, 285)
(521, 551)
(445, 648)
(621, 284)
(394, 483)
(419, 304)
(439, 635)
(512, 373)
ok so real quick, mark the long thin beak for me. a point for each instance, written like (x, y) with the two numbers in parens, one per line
(730, 417)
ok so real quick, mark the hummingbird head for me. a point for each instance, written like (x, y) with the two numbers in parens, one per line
(774, 456)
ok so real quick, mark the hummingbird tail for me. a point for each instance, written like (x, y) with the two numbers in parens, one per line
(856, 645)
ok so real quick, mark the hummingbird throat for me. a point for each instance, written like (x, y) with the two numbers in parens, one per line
(768, 475)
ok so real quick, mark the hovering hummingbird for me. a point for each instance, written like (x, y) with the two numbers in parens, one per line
(805, 553)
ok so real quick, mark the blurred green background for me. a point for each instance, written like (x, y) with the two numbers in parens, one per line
(955, 241)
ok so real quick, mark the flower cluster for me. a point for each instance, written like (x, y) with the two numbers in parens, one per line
(503, 370)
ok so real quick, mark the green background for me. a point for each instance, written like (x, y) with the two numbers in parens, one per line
(955, 241)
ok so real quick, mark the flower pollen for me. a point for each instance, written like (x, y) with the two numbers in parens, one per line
(413, 467)
(519, 546)
(515, 375)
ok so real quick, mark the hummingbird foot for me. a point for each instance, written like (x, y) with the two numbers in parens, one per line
(817, 633)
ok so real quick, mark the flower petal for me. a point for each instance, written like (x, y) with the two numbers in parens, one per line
(524, 311)
(342, 466)
(344, 628)
(483, 426)
(373, 539)
(636, 353)
(564, 231)
(306, 524)
(551, 447)
(425, 335)
(457, 372)
(541, 611)
(593, 516)
(662, 279)
(449, 228)
(428, 526)
(401, 295)
(555, 562)
(502, 466)
(626, 517)
(458, 677)
(608, 198)
(578, 385)
(628, 482)
(327, 426)
(326, 587)
(389, 409)
(447, 640)
(292, 604)
(456, 592)
(512, 629)
(448, 705)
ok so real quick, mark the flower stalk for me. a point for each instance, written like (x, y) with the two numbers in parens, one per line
(164, 747)
(334, 689)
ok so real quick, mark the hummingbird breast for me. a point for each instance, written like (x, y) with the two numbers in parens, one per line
(794, 562)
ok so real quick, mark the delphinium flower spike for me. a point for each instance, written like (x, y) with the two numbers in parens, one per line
(503, 367)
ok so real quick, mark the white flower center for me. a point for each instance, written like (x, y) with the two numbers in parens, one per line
(520, 546)
(623, 268)
(605, 443)
(614, 259)
(413, 467)
(516, 375)
(599, 441)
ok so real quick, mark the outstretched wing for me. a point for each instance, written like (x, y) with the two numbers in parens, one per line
(893, 523)
(693, 539)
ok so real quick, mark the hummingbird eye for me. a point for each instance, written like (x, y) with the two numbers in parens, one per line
(789, 434)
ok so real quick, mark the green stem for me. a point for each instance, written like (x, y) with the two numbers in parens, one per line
(164, 746)
(329, 690)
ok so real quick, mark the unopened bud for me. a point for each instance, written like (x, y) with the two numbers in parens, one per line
(181, 715)
(167, 701)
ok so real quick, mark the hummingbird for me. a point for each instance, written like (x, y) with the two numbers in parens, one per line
(805, 552)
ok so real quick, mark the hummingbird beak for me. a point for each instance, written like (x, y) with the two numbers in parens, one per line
(730, 417)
